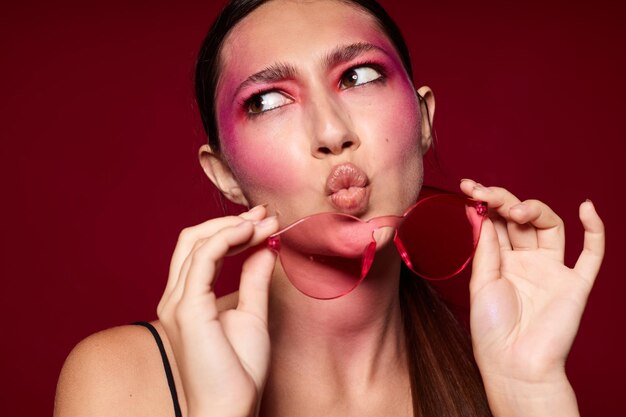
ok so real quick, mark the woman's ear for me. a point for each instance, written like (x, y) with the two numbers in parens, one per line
(221, 175)
(426, 99)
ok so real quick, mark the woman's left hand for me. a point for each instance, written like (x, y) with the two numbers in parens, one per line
(526, 304)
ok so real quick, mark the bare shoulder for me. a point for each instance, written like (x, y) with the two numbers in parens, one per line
(117, 371)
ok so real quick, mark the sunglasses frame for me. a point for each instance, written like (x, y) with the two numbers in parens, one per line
(395, 221)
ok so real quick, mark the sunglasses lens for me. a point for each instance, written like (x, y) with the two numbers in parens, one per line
(324, 255)
(327, 255)
(438, 237)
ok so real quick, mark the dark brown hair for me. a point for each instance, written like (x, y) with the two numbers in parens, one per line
(445, 380)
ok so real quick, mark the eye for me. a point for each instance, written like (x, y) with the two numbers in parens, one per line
(358, 76)
(262, 102)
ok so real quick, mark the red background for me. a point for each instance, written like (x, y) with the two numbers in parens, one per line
(99, 172)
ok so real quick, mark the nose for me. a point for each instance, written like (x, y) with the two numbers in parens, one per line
(332, 130)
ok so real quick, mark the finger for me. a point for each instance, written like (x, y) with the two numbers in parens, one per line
(179, 264)
(255, 213)
(549, 227)
(261, 230)
(590, 259)
(503, 233)
(230, 240)
(467, 186)
(202, 266)
(204, 230)
(500, 200)
(190, 236)
(486, 262)
(254, 287)
(177, 292)
(521, 236)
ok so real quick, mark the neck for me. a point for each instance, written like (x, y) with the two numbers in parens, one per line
(350, 344)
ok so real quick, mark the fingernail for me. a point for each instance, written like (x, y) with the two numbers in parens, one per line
(519, 206)
(256, 208)
(589, 201)
(482, 188)
(466, 179)
(266, 221)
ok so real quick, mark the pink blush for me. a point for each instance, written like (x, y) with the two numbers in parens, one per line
(260, 163)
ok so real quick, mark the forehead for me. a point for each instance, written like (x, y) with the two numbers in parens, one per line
(294, 32)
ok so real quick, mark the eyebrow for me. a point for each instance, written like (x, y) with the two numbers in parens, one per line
(273, 73)
(346, 53)
(281, 71)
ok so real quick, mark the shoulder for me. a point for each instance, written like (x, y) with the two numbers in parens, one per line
(110, 373)
(119, 371)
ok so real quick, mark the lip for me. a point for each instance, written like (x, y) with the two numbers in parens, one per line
(347, 188)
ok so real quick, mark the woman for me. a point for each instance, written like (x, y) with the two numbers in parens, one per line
(286, 116)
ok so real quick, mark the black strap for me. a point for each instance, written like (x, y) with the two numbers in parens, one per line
(166, 365)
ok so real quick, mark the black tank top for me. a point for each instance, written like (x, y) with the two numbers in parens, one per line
(166, 365)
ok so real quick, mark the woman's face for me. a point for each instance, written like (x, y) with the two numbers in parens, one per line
(312, 89)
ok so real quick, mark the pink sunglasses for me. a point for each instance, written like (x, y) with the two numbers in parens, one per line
(327, 255)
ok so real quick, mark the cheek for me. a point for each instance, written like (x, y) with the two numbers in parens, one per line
(258, 160)
(396, 128)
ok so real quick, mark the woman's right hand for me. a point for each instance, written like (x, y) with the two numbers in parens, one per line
(223, 357)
